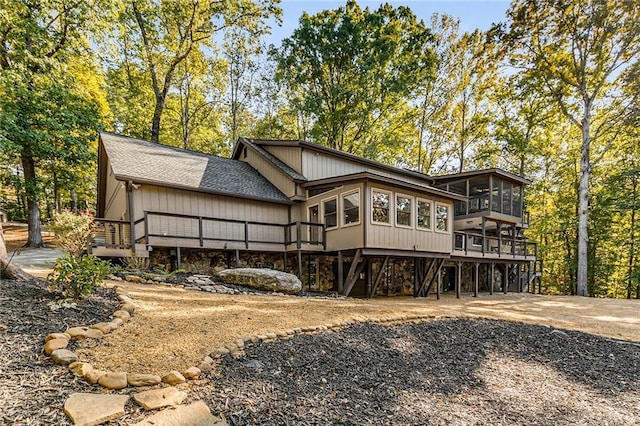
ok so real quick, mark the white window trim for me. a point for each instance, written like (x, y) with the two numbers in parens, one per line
(341, 210)
(322, 201)
(411, 214)
(309, 208)
(431, 214)
(390, 194)
(435, 219)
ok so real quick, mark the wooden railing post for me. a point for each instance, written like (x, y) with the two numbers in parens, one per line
(298, 234)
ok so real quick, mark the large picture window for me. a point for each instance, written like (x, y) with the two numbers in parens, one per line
(351, 208)
(403, 210)
(442, 218)
(423, 220)
(380, 207)
(330, 209)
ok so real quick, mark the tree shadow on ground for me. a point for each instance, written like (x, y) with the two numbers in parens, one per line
(362, 372)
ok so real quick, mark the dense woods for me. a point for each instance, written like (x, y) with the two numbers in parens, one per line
(550, 93)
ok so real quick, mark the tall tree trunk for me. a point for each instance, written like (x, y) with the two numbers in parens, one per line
(74, 201)
(583, 201)
(30, 184)
(632, 244)
(155, 121)
(7, 270)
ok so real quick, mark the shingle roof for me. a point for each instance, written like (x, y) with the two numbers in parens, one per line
(162, 165)
(289, 171)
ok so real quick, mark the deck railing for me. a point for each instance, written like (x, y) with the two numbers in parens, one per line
(112, 234)
(246, 232)
(502, 247)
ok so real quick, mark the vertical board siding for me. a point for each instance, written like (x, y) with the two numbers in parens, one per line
(292, 156)
(316, 165)
(167, 200)
(116, 199)
(271, 173)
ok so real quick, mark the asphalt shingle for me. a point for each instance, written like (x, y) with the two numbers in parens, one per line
(139, 160)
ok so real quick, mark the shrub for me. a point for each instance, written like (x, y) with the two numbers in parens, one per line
(136, 263)
(77, 276)
(73, 232)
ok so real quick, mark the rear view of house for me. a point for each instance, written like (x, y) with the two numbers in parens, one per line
(340, 222)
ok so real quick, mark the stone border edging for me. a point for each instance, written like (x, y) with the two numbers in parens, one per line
(56, 348)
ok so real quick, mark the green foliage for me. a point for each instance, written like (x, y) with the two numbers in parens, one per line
(77, 276)
(135, 263)
(352, 69)
(73, 232)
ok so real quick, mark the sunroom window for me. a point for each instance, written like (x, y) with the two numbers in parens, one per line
(442, 218)
(380, 206)
(424, 214)
(403, 210)
(351, 208)
(330, 208)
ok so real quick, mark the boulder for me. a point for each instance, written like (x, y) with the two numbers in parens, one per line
(63, 356)
(87, 409)
(143, 379)
(54, 344)
(192, 373)
(262, 279)
(113, 380)
(93, 376)
(158, 398)
(173, 378)
(57, 336)
(80, 369)
(104, 327)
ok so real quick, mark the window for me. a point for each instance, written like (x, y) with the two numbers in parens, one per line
(403, 210)
(424, 214)
(442, 218)
(380, 206)
(351, 208)
(330, 209)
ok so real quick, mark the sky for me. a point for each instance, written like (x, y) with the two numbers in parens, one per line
(472, 13)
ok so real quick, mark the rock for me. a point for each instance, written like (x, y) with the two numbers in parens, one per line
(205, 367)
(173, 378)
(63, 356)
(57, 336)
(208, 360)
(88, 409)
(240, 343)
(104, 327)
(117, 322)
(77, 333)
(192, 373)
(93, 376)
(80, 369)
(231, 347)
(263, 279)
(218, 352)
(135, 279)
(158, 398)
(129, 307)
(94, 333)
(122, 315)
(143, 379)
(54, 344)
(193, 414)
(112, 380)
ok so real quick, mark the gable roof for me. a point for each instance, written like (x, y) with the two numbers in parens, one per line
(285, 168)
(146, 162)
(330, 151)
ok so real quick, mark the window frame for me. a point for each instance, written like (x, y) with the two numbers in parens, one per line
(448, 225)
(342, 211)
(395, 210)
(390, 194)
(431, 215)
(324, 216)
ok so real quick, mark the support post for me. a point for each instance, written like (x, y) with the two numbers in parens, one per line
(439, 284)
(199, 231)
(505, 279)
(237, 258)
(246, 234)
(284, 260)
(459, 280)
(484, 233)
(368, 289)
(491, 278)
(178, 258)
(340, 272)
(300, 264)
(476, 283)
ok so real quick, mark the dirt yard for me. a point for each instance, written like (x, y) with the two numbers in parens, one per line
(175, 328)
(15, 236)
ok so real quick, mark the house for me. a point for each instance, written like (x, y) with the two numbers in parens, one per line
(340, 222)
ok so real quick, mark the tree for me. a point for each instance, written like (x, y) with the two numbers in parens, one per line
(43, 112)
(161, 35)
(579, 51)
(351, 70)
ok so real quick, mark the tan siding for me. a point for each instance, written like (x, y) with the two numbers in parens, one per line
(116, 198)
(166, 200)
(292, 156)
(271, 173)
(343, 237)
(316, 165)
(400, 238)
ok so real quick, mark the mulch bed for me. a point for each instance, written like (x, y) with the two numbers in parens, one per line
(440, 372)
(32, 389)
